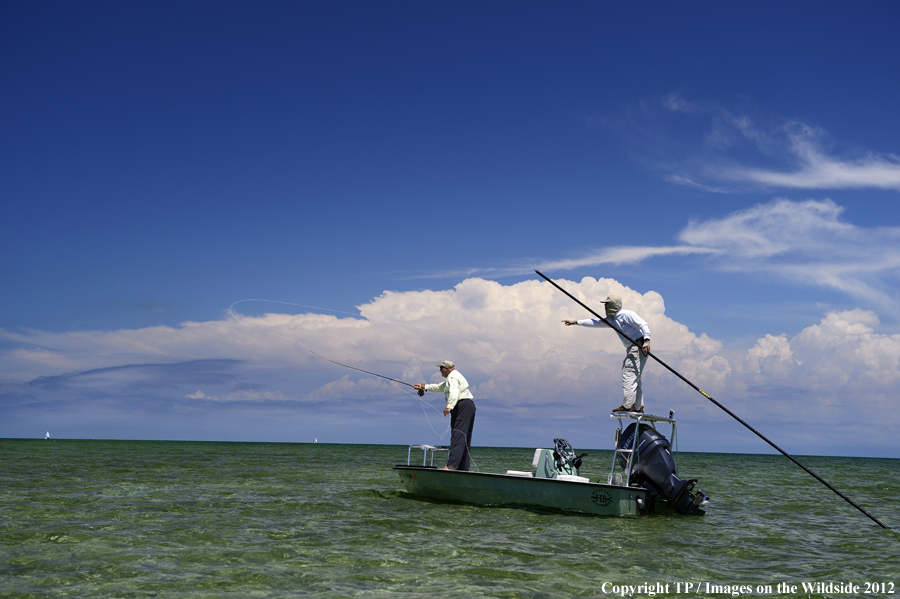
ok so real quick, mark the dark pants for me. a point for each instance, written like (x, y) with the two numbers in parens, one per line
(462, 419)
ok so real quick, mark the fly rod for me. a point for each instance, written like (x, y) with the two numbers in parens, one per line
(420, 391)
(726, 410)
(365, 371)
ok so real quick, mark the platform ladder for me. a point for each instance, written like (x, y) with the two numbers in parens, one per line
(631, 455)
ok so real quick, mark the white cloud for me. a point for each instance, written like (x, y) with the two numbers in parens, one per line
(612, 255)
(754, 150)
(805, 242)
(507, 339)
(816, 170)
(362, 388)
(527, 369)
(845, 366)
(41, 358)
(775, 228)
(242, 395)
(623, 255)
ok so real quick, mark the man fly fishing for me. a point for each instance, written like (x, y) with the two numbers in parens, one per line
(462, 413)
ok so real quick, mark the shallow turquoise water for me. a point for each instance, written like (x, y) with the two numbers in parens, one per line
(184, 519)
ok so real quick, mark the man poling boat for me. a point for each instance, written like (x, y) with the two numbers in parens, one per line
(631, 326)
(723, 408)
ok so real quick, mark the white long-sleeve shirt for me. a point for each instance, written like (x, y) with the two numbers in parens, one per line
(633, 326)
(455, 388)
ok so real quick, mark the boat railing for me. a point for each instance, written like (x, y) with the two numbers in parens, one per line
(631, 454)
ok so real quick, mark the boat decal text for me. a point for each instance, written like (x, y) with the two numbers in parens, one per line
(601, 498)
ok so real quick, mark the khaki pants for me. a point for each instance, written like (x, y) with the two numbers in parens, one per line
(631, 378)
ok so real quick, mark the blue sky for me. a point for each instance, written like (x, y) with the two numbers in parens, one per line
(386, 176)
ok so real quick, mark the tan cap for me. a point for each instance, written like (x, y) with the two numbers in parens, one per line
(446, 364)
(613, 299)
(613, 303)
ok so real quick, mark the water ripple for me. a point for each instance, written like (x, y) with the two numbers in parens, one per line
(145, 519)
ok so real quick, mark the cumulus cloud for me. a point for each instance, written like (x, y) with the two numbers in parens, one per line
(508, 340)
(840, 366)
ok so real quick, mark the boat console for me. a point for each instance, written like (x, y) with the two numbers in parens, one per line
(560, 463)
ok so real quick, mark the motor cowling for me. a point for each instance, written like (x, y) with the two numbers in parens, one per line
(654, 469)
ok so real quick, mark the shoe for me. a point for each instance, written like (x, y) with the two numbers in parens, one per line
(622, 409)
(641, 411)
(448, 468)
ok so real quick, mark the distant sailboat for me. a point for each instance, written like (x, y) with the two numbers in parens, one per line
(316, 440)
(47, 436)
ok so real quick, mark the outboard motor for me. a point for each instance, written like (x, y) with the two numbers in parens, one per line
(654, 469)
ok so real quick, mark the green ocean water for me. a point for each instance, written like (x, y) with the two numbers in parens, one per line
(202, 519)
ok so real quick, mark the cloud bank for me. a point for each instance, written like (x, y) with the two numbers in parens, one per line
(532, 377)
